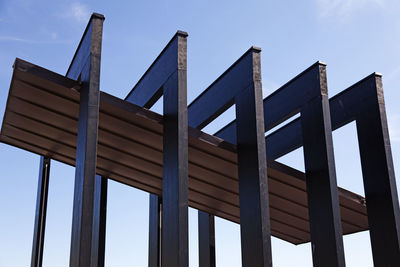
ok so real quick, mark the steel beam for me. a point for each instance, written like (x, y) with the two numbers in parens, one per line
(323, 200)
(40, 214)
(378, 174)
(241, 85)
(85, 67)
(206, 239)
(252, 167)
(307, 94)
(99, 219)
(155, 210)
(148, 89)
(175, 169)
(363, 102)
(283, 103)
(167, 77)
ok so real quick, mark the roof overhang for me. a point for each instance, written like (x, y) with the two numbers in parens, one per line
(42, 117)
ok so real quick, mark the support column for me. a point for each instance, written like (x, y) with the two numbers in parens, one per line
(40, 214)
(155, 231)
(100, 216)
(206, 239)
(175, 165)
(323, 200)
(378, 174)
(252, 166)
(85, 67)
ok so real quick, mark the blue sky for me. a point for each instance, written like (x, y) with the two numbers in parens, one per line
(354, 38)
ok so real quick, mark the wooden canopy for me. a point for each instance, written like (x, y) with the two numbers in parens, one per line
(42, 115)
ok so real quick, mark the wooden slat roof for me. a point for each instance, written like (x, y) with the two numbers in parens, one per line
(42, 114)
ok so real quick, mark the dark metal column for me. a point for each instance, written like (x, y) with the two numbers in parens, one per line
(323, 201)
(175, 165)
(100, 216)
(154, 231)
(40, 214)
(240, 84)
(167, 77)
(252, 167)
(378, 174)
(206, 239)
(85, 66)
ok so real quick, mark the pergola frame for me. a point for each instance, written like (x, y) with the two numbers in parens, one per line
(240, 85)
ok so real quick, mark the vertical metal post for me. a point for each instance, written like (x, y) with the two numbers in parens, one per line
(85, 221)
(175, 164)
(99, 219)
(206, 239)
(40, 214)
(154, 231)
(323, 201)
(253, 186)
(378, 174)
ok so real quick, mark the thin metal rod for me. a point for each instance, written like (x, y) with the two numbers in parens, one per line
(40, 214)
(206, 239)
(155, 209)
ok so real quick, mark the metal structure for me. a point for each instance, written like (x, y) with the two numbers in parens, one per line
(231, 174)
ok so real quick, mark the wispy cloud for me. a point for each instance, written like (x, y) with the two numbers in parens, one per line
(342, 9)
(78, 12)
(29, 41)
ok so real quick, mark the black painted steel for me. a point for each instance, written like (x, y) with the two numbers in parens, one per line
(99, 219)
(283, 103)
(167, 77)
(378, 174)
(154, 231)
(323, 200)
(364, 103)
(40, 213)
(241, 85)
(149, 88)
(175, 170)
(307, 94)
(85, 67)
(206, 239)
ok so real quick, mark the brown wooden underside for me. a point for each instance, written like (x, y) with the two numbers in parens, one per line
(41, 117)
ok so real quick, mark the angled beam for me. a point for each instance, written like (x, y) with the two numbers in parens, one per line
(241, 85)
(206, 239)
(283, 103)
(85, 66)
(220, 95)
(155, 210)
(149, 88)
(344, 108)
(40, 214)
